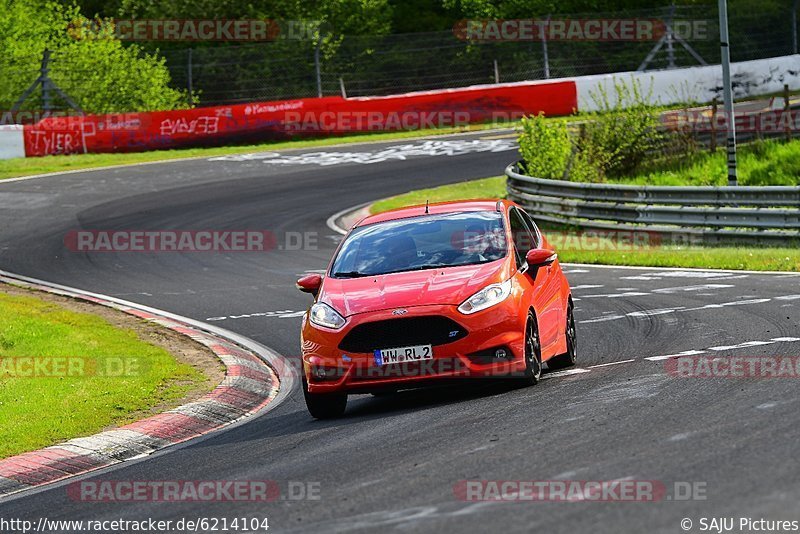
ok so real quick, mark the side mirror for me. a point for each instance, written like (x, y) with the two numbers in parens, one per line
(539, 257)
(310, 284)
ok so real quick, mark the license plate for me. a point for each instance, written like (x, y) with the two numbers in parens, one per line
(403, 354)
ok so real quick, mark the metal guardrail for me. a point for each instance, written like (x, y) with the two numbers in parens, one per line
(711, 215)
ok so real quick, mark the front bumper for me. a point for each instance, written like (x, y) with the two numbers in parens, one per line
(328, 369)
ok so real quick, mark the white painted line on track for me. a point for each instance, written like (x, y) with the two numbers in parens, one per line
(746, 344)
(685, 289)
(677, 355)
(722, 348)
(611, 363)
(279, 314)
(566, 372)
(787, 274)
(618, 295)
(331, 221)
(659, 291)
(663, 311)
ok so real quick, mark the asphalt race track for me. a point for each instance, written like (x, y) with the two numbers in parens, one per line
(392, 463)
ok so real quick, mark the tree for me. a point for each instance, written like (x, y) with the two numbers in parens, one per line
(96, 70)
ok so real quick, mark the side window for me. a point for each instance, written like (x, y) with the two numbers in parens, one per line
(520, 234)
(532, 226)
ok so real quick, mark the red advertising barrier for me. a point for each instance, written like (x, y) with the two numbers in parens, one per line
(137, 132)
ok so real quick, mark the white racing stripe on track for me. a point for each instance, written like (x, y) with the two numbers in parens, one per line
(679, 289)
(617, 295)
(679, 354)
(660, 291)
(566, 372)
(586, 286)
(744, 345)
(722, 348)
(717, 272)
(610, 363)
(280, 314)
(684, 274)
(662, 311)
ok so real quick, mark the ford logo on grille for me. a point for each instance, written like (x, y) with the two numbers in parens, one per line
(399, 312)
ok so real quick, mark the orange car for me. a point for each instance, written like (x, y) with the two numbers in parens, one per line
(435, 293)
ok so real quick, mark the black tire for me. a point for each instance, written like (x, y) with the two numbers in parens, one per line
(324, 405)
(533, 353)
(562, 361)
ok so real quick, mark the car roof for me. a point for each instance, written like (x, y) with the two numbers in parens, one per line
(437, 208)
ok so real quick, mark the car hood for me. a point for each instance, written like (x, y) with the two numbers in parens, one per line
(444, 286)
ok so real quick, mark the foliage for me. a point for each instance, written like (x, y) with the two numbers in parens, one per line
(623, 133)
(96, 70)
(545, 147)
(620, 139)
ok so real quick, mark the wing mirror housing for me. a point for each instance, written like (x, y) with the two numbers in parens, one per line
(310, 284)
(540, 257)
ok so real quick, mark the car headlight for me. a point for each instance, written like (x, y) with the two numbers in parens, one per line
(486, 298)
(323, 315)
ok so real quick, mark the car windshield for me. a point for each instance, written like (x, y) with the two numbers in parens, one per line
(427, 242)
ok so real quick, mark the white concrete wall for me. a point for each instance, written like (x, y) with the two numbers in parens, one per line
(12, 144)
(697, 84)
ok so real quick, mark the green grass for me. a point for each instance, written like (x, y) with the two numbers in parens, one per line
(758, 163)
(12, 168)
(41, 411)
(573, 248)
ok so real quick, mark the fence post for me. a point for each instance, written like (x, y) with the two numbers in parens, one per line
(45, 77)
(545, 55)
(671, 38)
(496, 72)
(47, 86)
(341, 87)
(189, 84)
(787, 110)
(317, 67)
(713, 143)
(794, 26)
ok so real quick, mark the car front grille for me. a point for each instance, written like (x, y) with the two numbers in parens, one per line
(393, 333)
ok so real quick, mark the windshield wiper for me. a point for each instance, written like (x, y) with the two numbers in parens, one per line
(350, 274)
(420, 268)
